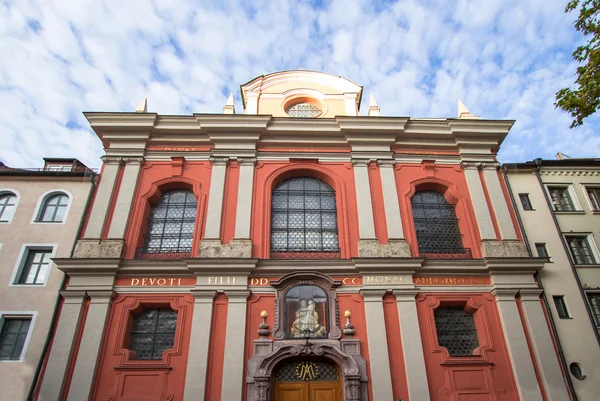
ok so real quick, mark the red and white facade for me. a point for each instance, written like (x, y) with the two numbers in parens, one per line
(378, 296)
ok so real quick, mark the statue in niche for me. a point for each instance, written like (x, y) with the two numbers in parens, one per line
(307, 321)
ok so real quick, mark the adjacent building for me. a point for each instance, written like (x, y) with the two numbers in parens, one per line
(301, 251)
(559, 207)
(41, 211)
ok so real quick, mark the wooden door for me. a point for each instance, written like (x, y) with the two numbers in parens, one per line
(291, 392)
(308, 391)
(306, 380)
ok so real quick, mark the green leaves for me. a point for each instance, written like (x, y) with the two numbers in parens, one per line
(584, 100)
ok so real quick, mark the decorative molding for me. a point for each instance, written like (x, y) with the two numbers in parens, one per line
(360, 162)
(246, 161)
(132, 160)
(386, 163)
(219, 161)
(111, 160)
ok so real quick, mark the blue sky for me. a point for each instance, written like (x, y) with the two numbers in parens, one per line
(505, 59)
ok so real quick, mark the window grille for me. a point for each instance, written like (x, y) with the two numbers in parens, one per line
(594, 300)
(580, 250)
(438, 234)
(456, 330)
(153, 332)
(171, 224)
(54, 209)
(593, 194)
(525, 202)
(36, 267)
(12, 337)
(561, 199)
(298, 371)
(304, 109)
(8, 203)
(304, 220)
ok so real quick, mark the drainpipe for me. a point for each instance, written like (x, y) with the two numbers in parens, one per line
(561, 354)
(40, 364)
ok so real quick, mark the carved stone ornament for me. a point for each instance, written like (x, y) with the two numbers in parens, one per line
(322, 281)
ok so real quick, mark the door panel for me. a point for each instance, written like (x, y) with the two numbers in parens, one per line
(324, 391)
(291, 392)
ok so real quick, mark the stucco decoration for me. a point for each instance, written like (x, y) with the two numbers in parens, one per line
(237, 248)
(503, 249)
(320, 280)
(263, 364)
(371, 248)
(93, 248)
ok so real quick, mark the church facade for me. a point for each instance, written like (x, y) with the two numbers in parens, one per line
(300, 251)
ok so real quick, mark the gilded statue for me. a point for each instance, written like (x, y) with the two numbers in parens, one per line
(307, 321)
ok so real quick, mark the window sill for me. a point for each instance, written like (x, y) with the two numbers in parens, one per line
(595, 265)
(596, 212)
(569, 212)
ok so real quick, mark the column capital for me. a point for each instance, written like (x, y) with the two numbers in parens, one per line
(530, 294)
(111, 160)
(360, 162)
(203, 296)
(489, 166)
(101, 297)
(219, 161)
(237, 296)
(73, 296)
(504, 294)
(386, 163)
(246, 161)
(372, 295)
(407, 295)
(134, 160)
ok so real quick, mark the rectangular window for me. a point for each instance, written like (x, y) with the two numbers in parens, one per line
(580, 250)
(594, 300)
(456, 330)
(541, 250)
(12, 337)
(594, 195)
(560, 199)
(36, 267)
(525, 202)
(561, 307)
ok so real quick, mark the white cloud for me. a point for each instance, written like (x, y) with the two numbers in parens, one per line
(504, 59)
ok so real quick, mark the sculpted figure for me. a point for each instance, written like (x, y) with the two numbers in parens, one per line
(307, 321)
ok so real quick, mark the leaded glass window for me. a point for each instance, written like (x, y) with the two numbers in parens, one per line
(456, 330)
(8, 204)
(303, 217)
(299, 371)
(436, 224)
(306, 312)
(153, 332)
(171, 223)
(304, 109)
(54, 209)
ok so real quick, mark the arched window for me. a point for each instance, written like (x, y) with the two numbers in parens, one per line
(171, 223)
(438, 234)
(305, 313)
(304, 220)
(54, 209)
(8, 204)
(153, 332)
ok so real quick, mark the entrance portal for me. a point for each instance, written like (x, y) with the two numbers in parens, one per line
(307, 380)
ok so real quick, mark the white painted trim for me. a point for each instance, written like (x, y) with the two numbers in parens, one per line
(25, 248)
(33, 316)
(572, 194)
(42, 201)
(585, 188)
(5, 191)
(591, 242)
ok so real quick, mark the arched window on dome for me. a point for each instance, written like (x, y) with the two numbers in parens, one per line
(304, 220)
(436, 226)
(171, 225)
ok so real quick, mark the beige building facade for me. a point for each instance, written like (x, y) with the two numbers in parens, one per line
(558, 202)
(40, 214)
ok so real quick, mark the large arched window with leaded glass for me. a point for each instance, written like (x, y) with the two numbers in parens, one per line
(304, 220)
(436, 225)
(171, 224)
(152, 333)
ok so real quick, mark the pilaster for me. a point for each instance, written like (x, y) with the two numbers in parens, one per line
(195, 379)
(215, 197)
(479, 202)
(378, 349)
(516, 344)
(89, 348)
(104, 194)
(124, 201)
(412, 346)
(364, 205)
(499, 203)
(233, 360)
(393, 217)
(244, 199)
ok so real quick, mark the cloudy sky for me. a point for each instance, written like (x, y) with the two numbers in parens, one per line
(504, 58)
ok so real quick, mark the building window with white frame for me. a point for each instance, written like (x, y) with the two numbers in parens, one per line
(594, 300)
(541, 249)
(561, 200)
(54, 209)
(36, 267)
(13, 336)
(594, 195)
(580, 250)
(8, 205)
